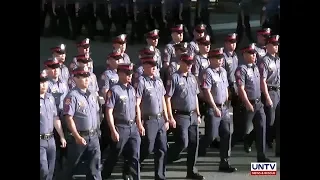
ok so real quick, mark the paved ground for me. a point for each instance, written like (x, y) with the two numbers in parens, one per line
(207, 165)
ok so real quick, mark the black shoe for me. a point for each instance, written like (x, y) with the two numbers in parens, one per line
(202, 153)
(265, 160)
(127, 177)
(215, 144)
(196, 176)
(173, 159)
(277, 154)
(227, 168)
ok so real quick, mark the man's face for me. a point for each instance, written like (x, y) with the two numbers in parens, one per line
(153, 42)
(230, 46)
(82, 64)
(83, 50)
(249, 57)
(113, 63)
(125, 76)
(53, 72)
(204, 48)
(216, 62)
(60, 57)
(198, 35)
(82, 81)
(177, 37)
(272, 48)
(43, 87)
(149, 69)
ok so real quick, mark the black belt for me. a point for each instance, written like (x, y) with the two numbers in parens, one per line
(273, 88)
(46, 136)
(188, 113)
(255, 101)
(91, 132)
(126, 122)
(149, 117)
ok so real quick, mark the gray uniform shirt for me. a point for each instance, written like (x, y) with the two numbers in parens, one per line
(48, 113)
(200, 63)
(230, 64)
(193, 48)
(216, 80)
(151, 91)
(183, 91)
(269, 68)
(83, 107)
(58, 90)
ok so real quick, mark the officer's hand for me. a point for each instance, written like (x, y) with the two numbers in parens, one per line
(172, 122)
(142, 131)
(115, 136)
(217, 112)
(166, 125)
(81, 141)
(54, 13)
(151, 16)
(199, 120)
(165, 64)
(249, 107)
(269, 102)
(135, 19)
(109, 14)
(244, 26)
(63, 142)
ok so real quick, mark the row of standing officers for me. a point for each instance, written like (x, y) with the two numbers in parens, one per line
(67, 17)
(142, 103)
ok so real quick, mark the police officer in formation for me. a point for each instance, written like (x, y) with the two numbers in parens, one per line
(203, 16)
(270, 16)
(169, 51)
(198, 32)
(243, 24)
(218, 123)
(152, 111)
(80, 109)
(83, 61)
(59, 52)
(262, 36)
(123, 124)
(58, 88)
(152, 39)
(119, 43)
(83, 48)
(248, 83)
(49, 120)
(182, 88)
(269, 68)
(174, 65)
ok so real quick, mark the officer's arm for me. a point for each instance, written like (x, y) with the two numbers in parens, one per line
(207, 85)
(197, 102)
(241, 13)
(110, 103)
(196, 67)
(170, 88)
(167, 55)
(127, 7)
(106, 86)
(69, 107)
(94, 6)
(163, 9)
(109, 7)
(96, 84)
(56, 122)
(139, 94)
(165, 110)
(263, 84)
(77, 6)
(240, 75)
(226, 84)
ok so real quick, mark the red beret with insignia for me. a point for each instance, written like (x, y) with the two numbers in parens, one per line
(43, 76)
(52, 63)
(154, 34)
(187, 58)
(182, 46)
(231, 38)
(115, 55)
(216, 53)
(81, 71)
(264, 32)
(82, 58)
(85, 43)
(200, 28)
(60, 49)
(204, 40)
(125, 67)
(273, 40)
(121, 39)
(177, 28)
(249, 48)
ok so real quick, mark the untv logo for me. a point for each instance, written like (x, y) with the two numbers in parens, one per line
(264, 169)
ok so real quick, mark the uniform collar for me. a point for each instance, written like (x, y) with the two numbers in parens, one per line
(228, 53)
(53, 81)
(124, 87)
(112, 70)
(148, 78)
(272, 57)
(45, 96)
(181, 74)
(216, 70)
(87, 93)
(261, 46)
(251, 65)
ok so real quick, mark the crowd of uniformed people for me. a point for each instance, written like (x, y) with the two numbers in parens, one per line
(129, 110)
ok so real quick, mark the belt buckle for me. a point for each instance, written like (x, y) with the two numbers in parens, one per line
(158, 116)
(91, 132)
(191, 112)
(46, 137)
(131, 122)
